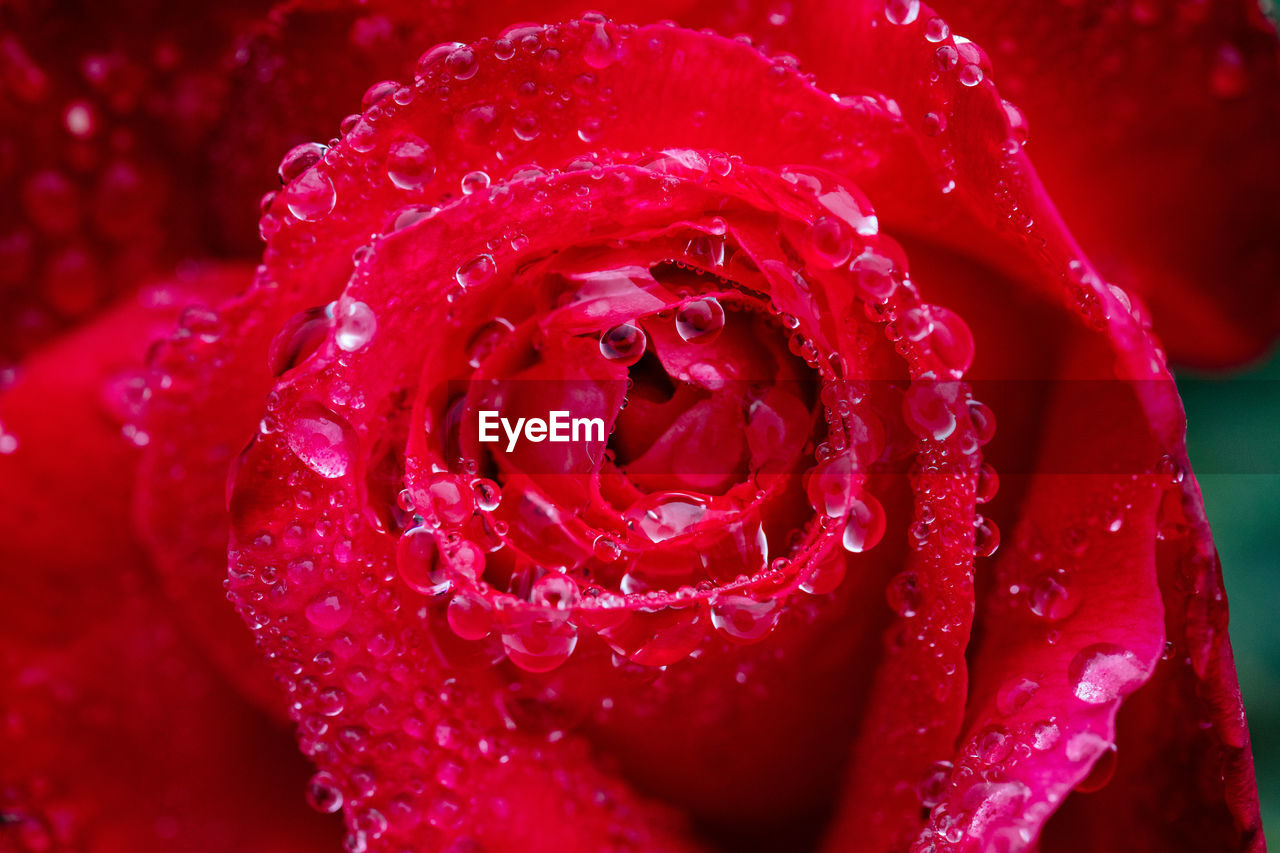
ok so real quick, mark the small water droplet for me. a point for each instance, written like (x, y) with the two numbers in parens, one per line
(476, 272)
(323, 793)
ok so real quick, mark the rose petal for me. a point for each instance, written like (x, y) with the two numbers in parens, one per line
(119, 735)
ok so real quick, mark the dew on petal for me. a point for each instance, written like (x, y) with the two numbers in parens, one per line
(322, 440)
(411, 164)
(624, 343)
(311, 196)
(1104, 672)
(744, 619)
(477, 271)
(866, 525)
(700, 321)
(354, 326)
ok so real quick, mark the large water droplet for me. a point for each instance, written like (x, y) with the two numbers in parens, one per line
(665, 515)
(322, 440)
(601, 50)
(411, 164)
(1104, 672)
(300, 336)
(901, 12)
(536, 642)
(829, 242)
(623, 343)
(830, 485)
(744, 619)
(354, 325)
(866, 524)
(873, 276)
(323, 793)
(311, 196)
(299, 159)
(700, 321)
(418, 562)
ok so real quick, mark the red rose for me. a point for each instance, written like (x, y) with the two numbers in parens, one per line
(757, 596)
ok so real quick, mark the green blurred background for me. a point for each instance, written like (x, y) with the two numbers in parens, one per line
(1233, 436)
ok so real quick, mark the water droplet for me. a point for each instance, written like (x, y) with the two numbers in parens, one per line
(323, 793)
(926, 407)
(950, 340)
(946, 57)
(1045, 735)
(830, 486)
(300, 336)
(411, 164)
(477, 124)
(901, 12)
(474, 182)
(536, 642)
(606, 548)
(555, 591)
(448, 500)
(745, 619)
(936, 30)
(1050, 597)
(311, 196)
(1171, 470)
(322, 440)
(933, 786)
(986, 537)
(462, 63)
(328, 611)
(1104, 672)
(623, 343)
(866, 524)
(666, 515)
(993, 745)
(477, 271)
(970, 74)
(299, 159)
(488, 495)
(873, 276)
(829, 242)
(600, 50)
(700, 321)
(354, 326)
(988, 484)
(418, 562)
